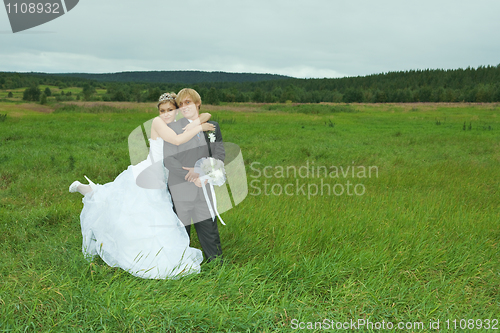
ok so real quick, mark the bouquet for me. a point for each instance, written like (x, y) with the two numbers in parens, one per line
(211, 169)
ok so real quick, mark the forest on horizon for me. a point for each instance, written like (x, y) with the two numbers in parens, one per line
(481, 84)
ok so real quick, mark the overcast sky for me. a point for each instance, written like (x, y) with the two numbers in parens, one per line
(315, 38)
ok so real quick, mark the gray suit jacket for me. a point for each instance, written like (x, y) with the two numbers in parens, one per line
(186, 155)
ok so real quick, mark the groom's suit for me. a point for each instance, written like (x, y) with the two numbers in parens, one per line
(189, 200)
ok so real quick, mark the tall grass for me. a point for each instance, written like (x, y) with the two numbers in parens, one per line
(97, 108)
(421, 243)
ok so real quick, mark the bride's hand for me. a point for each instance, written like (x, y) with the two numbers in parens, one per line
(208, 127)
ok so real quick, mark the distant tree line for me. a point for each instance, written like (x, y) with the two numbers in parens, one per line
(480, 84)
(181, 77)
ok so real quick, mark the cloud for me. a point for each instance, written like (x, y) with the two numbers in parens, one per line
(320, 38)
(60, 62)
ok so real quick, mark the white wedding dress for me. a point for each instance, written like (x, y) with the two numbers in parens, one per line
(135, 228)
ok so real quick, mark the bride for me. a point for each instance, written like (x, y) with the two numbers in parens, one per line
(135, 228)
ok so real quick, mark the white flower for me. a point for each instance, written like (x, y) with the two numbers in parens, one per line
(217, 176)
(211, 136)
(212, 168)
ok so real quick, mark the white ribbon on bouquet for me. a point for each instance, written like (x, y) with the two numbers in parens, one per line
(212, 170)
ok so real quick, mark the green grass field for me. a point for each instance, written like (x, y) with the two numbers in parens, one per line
(419, 244)
(17, 94)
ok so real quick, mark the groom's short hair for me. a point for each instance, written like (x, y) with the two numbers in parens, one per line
(188, 92)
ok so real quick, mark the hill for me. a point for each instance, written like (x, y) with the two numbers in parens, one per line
(184, 77)
(479, 85)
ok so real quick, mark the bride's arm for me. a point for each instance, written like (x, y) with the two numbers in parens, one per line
(168, 134)
(203, 118)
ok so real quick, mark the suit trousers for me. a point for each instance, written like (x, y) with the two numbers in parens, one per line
(206, 228)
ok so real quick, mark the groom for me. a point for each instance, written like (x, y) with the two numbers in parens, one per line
(184, 184)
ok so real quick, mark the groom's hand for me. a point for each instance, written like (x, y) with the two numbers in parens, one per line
(191, 175)
(197, 182)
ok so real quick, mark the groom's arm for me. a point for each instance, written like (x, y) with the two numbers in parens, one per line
(171, 159)
(217, 147)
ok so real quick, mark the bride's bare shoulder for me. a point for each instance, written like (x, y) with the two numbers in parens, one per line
(156, 120)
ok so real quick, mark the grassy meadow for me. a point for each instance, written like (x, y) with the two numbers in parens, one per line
(414, 241)
(17, 94)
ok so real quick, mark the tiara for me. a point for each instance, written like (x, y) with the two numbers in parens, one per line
(166, 97)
